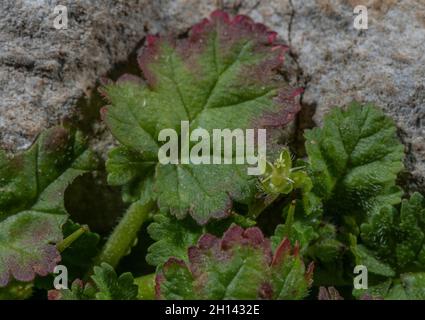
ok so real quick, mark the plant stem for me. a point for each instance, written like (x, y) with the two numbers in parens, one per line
(125, 233)
(65, 243)
(146, 286)
(262, 205)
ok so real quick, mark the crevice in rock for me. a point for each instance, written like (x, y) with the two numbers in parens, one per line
(304, 119)
(291, 21)
(255, 6)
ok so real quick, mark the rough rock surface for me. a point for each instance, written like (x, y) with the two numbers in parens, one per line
(384, 64)
(44, 71)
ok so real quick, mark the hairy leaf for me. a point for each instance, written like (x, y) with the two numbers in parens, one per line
(78, 291)
(317, 240)
(393, 247)
(413, 285)
(32, 185)
(367, 258)
(172, 237)
(398, 237)
(355, 159)
(106, 286)
(238, 266)
(223, 75)
(112, 287)
(410, 286)
(295, 231)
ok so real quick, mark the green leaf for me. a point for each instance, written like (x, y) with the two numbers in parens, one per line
(172, 237)
(238, 266)
(355, 159)
(410, 286)
(175, 281)
(317, 240)
(78, 291)
(32, 185)
(16, 291)
(326, 248)
(202, 190)
(223, 75)
(398, 237)
(125, 166)
(367, 258)
(414, 285)
(111, 287)
(129, 169)
(376, 291)
(106, 286)
(295, 231)
(290, 279)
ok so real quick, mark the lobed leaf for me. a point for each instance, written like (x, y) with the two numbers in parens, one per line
(112, 287)
(223, 75)
(238, 266)
(172, 237)
(78, 291)
(32, 185)
(355, 159)
(106, 286)
(398, 237)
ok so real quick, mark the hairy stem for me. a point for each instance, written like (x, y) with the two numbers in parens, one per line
(125, 233)
(65, 243)
(146, 286)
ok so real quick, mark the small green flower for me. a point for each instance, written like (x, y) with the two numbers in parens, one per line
(280, 177)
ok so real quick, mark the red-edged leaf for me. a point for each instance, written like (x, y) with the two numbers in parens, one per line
(238, 266)
(32, 212)
(223, 75)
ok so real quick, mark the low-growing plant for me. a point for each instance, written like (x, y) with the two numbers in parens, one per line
(209, 224)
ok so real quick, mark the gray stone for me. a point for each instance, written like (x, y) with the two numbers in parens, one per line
(44, 71)
(384, 64)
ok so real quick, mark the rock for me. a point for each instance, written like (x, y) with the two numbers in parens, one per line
(44, 71)
(384, 64)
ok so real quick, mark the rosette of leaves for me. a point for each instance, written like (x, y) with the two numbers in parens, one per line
(32, 186)
(223, 75)
(240, 265)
